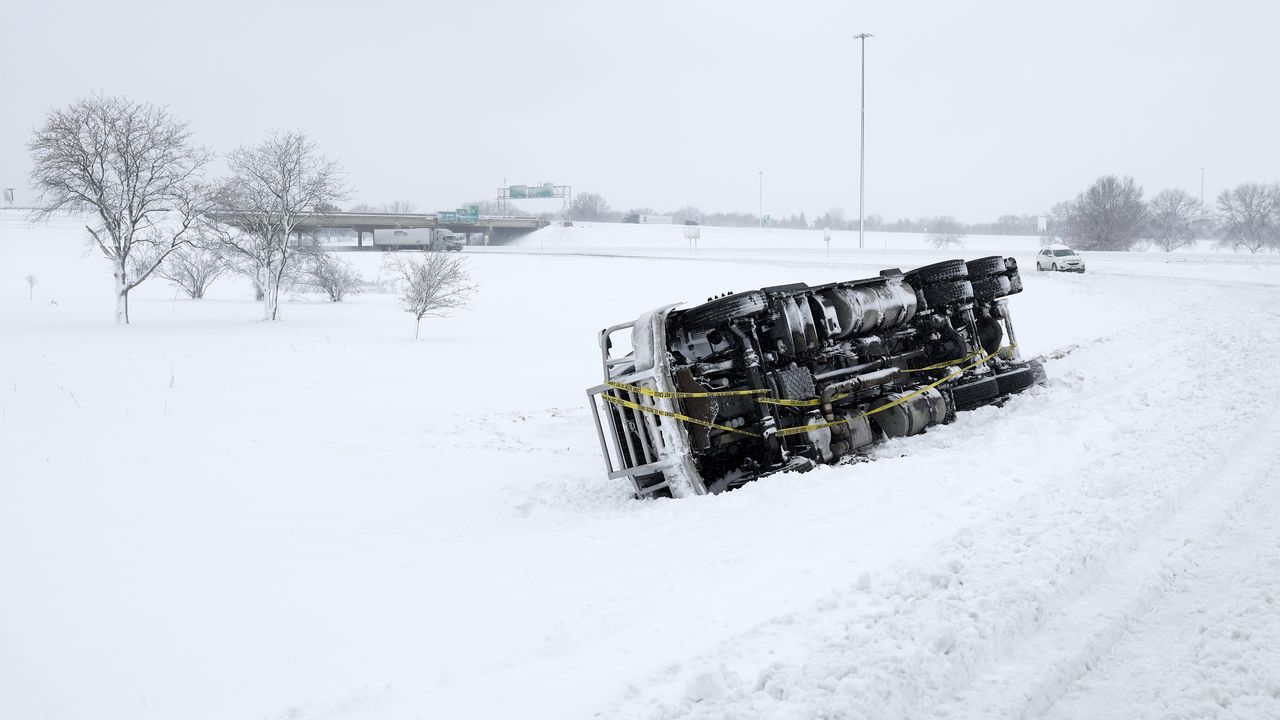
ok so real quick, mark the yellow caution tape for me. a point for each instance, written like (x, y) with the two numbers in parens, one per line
(813, 402)
(674, 415)
(806, 428)
(791, 403)
(661, 394)
(943, 364)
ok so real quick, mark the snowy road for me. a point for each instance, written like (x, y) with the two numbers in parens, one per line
(208, 517)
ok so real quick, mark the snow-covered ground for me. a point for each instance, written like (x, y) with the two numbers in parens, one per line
(207, 516)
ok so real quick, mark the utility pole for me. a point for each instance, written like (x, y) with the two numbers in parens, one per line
(862, 143)
(1201, 187)
(761, 198)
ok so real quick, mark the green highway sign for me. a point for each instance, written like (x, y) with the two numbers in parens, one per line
(467, 215)
(533, 192)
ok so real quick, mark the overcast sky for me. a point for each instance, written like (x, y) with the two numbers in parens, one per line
(973, 109)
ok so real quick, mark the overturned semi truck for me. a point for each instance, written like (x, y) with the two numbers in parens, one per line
(705, 399)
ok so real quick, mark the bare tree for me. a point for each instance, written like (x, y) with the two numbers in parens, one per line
(1249, 216)
(588, 206)
(31, 287)
(194, 267)
(1172, 216)
(1109, 215)
(332, 276)
(402, 207)
(133, 169)
(945, 231)
(833, 218)
(431, 284)
(276, 187)
(686, 214)
(1063, 222)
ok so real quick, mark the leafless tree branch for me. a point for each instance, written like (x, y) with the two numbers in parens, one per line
(132, 168)
(276, 188)
(432, 284)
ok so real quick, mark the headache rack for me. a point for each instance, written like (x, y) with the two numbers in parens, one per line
(645, 447)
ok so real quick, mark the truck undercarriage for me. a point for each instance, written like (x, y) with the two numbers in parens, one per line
(785, 378)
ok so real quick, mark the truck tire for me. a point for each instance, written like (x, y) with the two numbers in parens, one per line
(1038, 375)
(945, 271)
(986, 267)
(715, 313)
(975, 394)
(990, 288)
(1016, 380)
(947, 293)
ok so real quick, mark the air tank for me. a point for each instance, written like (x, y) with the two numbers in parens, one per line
(845, 311)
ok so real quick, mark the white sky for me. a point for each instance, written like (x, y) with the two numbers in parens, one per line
(975, 109)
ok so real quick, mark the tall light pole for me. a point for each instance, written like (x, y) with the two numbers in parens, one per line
(1202, 187)
(862, 143)
(761, 198)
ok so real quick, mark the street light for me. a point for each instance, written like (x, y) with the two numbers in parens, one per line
(862, 141)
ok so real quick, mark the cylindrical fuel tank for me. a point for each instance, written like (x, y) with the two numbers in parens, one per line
(848, 311)
(911, 416)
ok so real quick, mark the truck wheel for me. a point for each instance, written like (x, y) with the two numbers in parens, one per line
(986, 267)
(990, 288)
(945, 271)
(975, 394)
(1038, 375)
(1015, 381)
(717, 312)
(947, 293)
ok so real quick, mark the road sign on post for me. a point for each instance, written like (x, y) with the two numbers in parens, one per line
(693, 234)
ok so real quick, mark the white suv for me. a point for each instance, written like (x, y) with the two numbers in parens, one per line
(1059, 259)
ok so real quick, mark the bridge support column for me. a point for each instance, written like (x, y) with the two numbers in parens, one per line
(359, 238)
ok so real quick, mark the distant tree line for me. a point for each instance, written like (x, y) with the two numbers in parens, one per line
(592, 207)
(1112, 214)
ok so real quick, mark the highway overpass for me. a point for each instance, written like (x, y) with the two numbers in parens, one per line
(495, 228)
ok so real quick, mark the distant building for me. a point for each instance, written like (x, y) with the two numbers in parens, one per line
(656, 219)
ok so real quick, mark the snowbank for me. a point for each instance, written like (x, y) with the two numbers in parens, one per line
(207, 516)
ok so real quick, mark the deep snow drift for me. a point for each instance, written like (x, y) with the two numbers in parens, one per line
(206, 516)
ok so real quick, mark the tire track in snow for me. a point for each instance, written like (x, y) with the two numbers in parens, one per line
(1029, 680)
(1210, 648)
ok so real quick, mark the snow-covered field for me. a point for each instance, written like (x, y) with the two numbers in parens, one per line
(203, 516)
